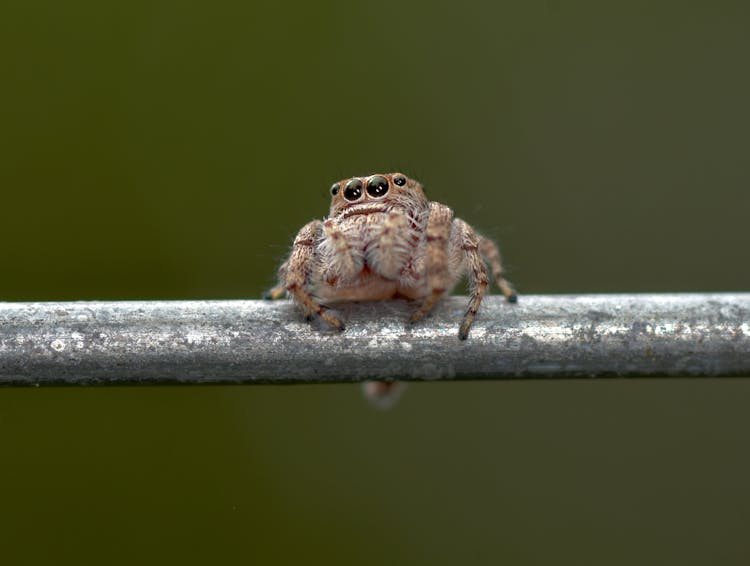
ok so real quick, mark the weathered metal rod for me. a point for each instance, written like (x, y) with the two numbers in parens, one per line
(159, 342)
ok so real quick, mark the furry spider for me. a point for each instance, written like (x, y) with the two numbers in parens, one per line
(384, 239)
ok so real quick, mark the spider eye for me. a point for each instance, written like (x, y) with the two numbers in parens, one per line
(353, 190)
(335, 189)
(377, 186)
(400, 180)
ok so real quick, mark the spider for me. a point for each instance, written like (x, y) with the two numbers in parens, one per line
(383, 239)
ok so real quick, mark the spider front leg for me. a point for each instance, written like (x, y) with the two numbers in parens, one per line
(341, 264)
(300, 269)
(478, 280)
(437, 237)
(392, 251)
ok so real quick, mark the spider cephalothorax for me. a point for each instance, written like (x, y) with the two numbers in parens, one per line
(384, 239)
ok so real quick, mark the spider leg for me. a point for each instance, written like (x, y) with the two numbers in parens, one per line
(489, 250)
(343, 263)
(391, 253)
(478, 280)
(300, 269)
(438, 233)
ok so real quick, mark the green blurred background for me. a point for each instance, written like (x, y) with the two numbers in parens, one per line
(170, 150)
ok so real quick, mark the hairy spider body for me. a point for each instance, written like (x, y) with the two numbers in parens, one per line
(383, 239)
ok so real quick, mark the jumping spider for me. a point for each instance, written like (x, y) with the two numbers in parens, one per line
(384, 239)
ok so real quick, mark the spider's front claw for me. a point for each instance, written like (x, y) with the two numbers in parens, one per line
(416, 317)
(463, 331)
(332, 320)
(512, 298)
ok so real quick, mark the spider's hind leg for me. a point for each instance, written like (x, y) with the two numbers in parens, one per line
(491, 253)
(279, 290)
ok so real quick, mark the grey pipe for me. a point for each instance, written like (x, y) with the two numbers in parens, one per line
(159, 342)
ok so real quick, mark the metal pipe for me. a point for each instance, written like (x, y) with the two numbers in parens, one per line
(159, 342)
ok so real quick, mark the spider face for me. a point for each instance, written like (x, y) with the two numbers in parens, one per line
(375, 193)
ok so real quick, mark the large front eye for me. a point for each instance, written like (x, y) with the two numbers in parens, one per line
(377, 186)
(353, 190)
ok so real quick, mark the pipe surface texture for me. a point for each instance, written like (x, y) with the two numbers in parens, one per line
(550, 336)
